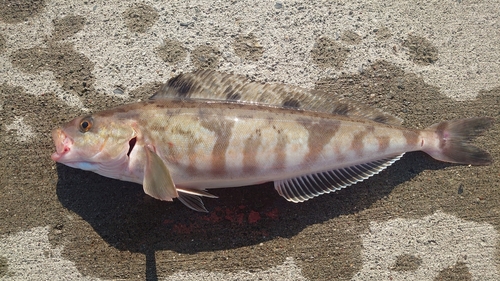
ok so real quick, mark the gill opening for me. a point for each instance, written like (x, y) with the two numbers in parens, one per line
(131, 145)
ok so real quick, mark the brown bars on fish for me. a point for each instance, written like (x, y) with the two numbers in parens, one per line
(207, 129)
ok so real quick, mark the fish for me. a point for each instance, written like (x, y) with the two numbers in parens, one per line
(208, 129)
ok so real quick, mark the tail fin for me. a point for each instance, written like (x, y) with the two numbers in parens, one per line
(454, 137)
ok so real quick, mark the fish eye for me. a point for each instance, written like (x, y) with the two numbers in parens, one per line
(85, 124)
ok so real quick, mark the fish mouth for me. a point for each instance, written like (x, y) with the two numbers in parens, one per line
(62, 142)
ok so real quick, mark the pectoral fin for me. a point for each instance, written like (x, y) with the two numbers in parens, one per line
(157, 180)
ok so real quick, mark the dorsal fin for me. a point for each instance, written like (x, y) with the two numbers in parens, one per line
(309, 186)
(218, 86)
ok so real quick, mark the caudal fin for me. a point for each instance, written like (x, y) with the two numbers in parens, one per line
(454, 137)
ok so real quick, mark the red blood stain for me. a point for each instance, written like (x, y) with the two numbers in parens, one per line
(213, 217)
(167, 221)
(273, 214)
(240, 219)
(234, 216)
(238, 215)
(181, 229)
(253, 217)
(229, 214)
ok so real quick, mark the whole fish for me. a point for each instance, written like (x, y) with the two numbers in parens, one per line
(208, 129)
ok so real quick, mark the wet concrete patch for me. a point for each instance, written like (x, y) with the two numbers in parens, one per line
(383, 33)
(41, 114)
(350, 37)
(328, 53)
(4, 266)
(407, 262)
(20, 10)
(3, 42)
(205, 57)
(140, 17)
(67, 26)
(248, 47)
(72, 70)
(421, 50)
(457, 272)
(387, 87)
(171, 51)
(145, 91)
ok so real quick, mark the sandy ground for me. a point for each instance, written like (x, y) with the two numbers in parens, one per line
(419, 220)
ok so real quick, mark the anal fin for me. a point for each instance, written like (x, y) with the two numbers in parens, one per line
(308, 186)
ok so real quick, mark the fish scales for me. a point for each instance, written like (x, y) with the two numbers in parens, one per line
(214, 143)
(178, 147)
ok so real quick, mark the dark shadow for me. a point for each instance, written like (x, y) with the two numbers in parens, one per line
(129, 220)
(151, 274)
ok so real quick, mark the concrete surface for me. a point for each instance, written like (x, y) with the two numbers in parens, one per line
(419, 220)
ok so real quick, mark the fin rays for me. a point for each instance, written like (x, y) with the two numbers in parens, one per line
(193, 202)
(216, 86)
(305, 187)
(157, 180)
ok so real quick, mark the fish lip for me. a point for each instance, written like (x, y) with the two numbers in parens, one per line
(62, 142)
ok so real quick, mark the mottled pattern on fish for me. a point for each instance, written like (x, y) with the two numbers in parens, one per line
(177, 146)
(213, 141)
(213, 85)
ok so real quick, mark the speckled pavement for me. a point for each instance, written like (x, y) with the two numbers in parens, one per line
(418, 220)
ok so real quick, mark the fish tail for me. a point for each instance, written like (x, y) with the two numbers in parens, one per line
(453, 141)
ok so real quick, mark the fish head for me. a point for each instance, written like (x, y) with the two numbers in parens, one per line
(96, 143)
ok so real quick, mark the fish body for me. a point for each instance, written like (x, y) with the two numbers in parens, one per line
(182, 142)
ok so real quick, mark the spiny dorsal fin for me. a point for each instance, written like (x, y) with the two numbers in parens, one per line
(309, 186)
(216, 86)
